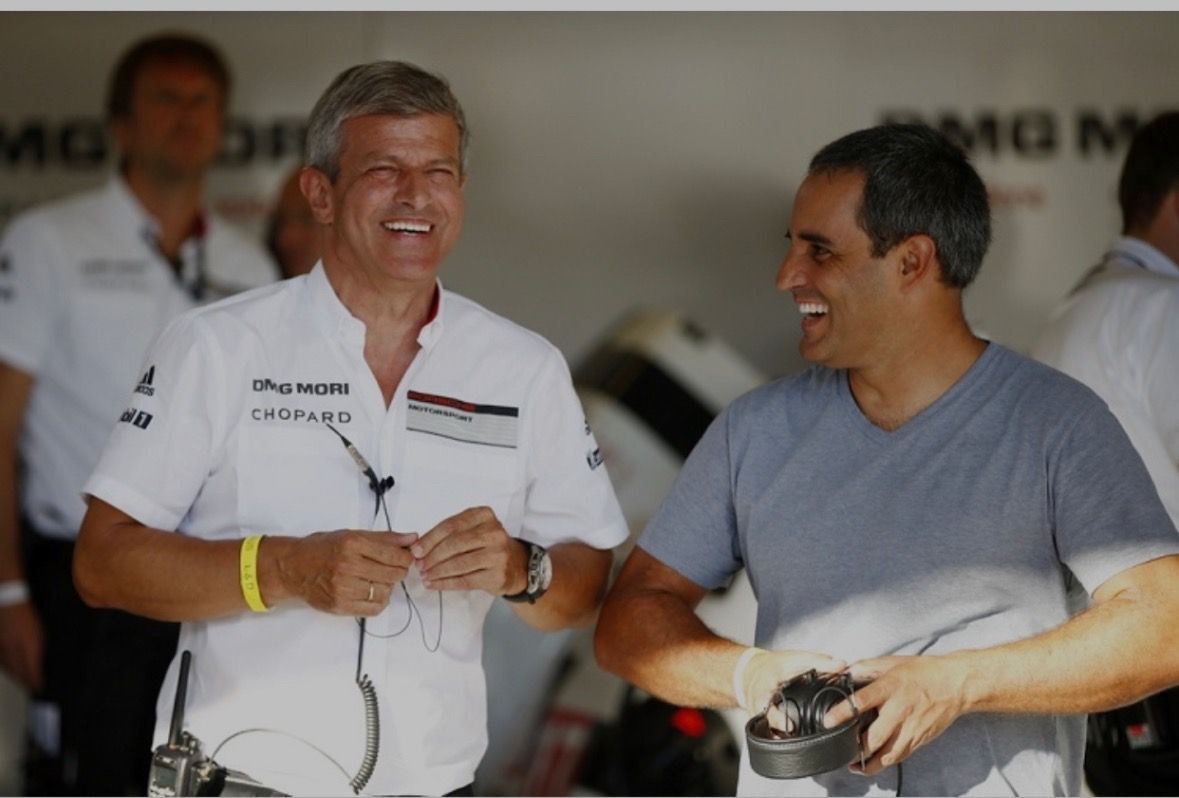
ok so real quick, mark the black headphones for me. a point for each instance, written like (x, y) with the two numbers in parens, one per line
(806, 747)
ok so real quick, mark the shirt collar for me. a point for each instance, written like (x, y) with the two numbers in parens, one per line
(335, 319)
(124, 203)
(128, 209)
(1143, 254)
(432, 330)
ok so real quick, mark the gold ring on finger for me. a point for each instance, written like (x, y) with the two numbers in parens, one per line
(370, 592)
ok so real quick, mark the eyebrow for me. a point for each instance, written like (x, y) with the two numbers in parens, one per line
(813, 238)
(377, 157)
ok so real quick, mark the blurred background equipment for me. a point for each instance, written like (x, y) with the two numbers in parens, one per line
(655, 748)
(1134, 750)
(557, 723)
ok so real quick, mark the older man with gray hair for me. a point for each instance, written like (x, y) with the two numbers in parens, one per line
(334, 478)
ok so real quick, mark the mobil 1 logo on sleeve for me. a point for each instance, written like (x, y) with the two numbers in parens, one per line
(136, 418)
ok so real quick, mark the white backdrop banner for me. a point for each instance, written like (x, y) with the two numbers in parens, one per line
(650, 159)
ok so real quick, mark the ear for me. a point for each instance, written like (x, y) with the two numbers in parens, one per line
(917, 261)
(318, 190)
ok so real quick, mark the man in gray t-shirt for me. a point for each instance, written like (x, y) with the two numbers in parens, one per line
(916, 506)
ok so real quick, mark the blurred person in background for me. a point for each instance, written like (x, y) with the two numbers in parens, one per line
(86, 282)
(1118, 332)
(292, 236)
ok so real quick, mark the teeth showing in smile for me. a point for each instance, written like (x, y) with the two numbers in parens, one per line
(812, 308)
(407, 227)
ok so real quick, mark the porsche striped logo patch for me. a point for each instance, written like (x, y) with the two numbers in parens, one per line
(459, 420)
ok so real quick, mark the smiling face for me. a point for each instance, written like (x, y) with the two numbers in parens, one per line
(396, 206)
(842, 290)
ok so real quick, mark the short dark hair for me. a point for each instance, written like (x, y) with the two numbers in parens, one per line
(916, 181)
(1151, 170)
(164, 47)
(392, 88)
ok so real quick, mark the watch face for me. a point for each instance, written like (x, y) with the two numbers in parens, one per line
(540, 570)
(546, 571)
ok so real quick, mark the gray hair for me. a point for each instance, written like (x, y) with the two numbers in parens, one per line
(392, 88)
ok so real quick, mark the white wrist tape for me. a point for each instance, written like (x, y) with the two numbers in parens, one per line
(739, 675)
(14, 592)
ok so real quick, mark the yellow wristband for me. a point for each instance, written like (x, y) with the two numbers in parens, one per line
(249, 574)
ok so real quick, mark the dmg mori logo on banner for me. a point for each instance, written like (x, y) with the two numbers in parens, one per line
(83, 143)
(1033, 132)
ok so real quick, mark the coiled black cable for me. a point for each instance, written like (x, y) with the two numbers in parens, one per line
(372, 734)
(372, 715)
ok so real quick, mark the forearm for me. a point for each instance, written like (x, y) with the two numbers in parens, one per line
(11, 566)
(123, 564)
(15, 387)
(580, 573)
(157, 574)
(1110, 655)
(655, 640)
(649, 634)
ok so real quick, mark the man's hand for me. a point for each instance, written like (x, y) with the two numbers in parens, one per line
(916, 698)
(471, 551)
(767, 669)
(346, 572)
(22, 644)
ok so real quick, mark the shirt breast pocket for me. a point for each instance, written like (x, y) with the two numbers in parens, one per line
(443, 477)
(296, 481)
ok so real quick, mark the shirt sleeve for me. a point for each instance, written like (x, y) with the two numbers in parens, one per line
(569, 495)
(694, 531)
(160, 452)
(1157, 434)
(31, 296)
(1107, 516)
(1146, 427)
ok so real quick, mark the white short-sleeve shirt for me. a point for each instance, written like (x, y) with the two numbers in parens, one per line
(83, 292)
(234, 440)
(1119, 334)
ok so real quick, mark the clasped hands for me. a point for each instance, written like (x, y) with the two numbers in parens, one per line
(354, 572)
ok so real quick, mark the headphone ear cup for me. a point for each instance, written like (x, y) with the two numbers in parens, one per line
(823, 704)
(797, 698)
(794, 717)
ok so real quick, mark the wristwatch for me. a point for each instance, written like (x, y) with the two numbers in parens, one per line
(539, 570)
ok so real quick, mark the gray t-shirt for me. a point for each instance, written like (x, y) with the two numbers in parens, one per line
(958, 530)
